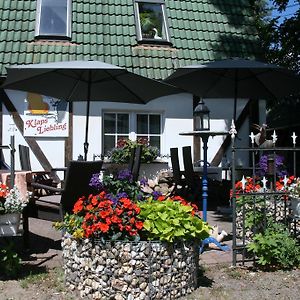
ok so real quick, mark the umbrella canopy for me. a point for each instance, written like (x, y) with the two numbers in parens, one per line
(236, 78)
(85, 81)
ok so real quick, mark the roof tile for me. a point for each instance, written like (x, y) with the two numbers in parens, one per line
(201, 30)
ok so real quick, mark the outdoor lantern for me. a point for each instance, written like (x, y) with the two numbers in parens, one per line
(201, 116)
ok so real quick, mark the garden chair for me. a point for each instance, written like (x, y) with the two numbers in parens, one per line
(136, 162)
(193, 181)
(54, 207)
(42, 177)
(179, 181)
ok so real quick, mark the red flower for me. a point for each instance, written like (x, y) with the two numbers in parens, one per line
(103, 214)
(103, 227)
(126, 202)
(128, 228)
(77, 207)
(119, 211)
(94, 201)
(161, 198)
(116, 219)
(139, 225)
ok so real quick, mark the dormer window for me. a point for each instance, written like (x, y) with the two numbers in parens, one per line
(53, 19)
(151, 21)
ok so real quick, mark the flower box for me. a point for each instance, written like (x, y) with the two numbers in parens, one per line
(9, 224)
(130, 270)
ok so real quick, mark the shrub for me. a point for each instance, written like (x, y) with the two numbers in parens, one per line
(274, 247)
(10, 262)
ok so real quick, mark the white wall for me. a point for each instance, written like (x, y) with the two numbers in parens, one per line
(176, 110)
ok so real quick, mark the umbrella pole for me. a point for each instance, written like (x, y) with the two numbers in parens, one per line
(86, 144)
(235, 95)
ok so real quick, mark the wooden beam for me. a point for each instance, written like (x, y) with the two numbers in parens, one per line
(69, 139)
(37, 151)
(226, 143)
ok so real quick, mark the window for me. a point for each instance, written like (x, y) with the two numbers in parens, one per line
(151, 21)
(149, 126)
(116, 126)
(130, 125)
(53, 19)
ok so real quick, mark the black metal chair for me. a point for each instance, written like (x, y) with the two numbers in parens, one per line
(136, 162)
(54, 207)
(178, 180)
(193, 181)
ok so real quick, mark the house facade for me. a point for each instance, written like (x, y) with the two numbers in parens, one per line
(149, 37)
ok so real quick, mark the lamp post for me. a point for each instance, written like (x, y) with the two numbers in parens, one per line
(202, 124)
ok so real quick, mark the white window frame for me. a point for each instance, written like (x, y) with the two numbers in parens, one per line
(53, 35)
(132, 135)
(138, 22)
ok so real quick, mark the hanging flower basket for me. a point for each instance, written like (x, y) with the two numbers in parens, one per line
(9, 224)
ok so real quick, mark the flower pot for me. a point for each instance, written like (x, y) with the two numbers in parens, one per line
(9, 224)
(295, 206)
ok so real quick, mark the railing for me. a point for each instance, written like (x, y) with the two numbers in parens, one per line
(253, 206)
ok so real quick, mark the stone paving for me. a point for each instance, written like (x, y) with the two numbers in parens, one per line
(45, 248)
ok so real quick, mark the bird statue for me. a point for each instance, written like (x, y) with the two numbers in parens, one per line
(260, 138)
(156, 36)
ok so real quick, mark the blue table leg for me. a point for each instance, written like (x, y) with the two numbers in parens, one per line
(204, 179)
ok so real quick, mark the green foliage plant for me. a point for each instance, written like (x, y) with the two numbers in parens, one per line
(171, 221)
(122, 153)
(10, 262)
(72, 224)
(275, 248)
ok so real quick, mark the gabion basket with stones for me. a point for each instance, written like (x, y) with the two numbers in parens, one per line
(130, 270)
(274, 207)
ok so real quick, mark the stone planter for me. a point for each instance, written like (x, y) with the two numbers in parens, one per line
(9, 224)
(131, 271)
(295, 206)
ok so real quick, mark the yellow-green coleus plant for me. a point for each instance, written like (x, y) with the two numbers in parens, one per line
(171, 221)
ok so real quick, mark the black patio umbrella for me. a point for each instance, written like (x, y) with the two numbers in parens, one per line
(236, 78)
(85, 81)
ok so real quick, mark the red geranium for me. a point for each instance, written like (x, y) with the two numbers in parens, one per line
(106, 218)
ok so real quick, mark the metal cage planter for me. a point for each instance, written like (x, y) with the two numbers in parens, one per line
(9, 224)
(130, 270)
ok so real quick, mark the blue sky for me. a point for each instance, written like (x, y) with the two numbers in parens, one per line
(292, 7)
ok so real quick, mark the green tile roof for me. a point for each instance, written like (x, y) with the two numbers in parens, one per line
(200, 31)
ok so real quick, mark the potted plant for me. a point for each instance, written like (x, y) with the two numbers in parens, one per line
(121, 154)
(124, 243)
(11, 207)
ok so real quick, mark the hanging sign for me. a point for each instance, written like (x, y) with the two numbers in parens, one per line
(45, 116)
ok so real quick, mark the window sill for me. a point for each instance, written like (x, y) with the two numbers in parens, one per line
(155, 42)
